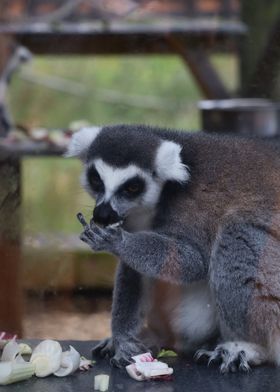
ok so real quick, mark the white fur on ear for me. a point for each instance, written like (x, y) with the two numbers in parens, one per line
(168, 162)
(81, 141)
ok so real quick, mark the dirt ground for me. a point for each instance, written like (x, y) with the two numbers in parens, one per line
(67, 316)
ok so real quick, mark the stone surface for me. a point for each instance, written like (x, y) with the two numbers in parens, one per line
(188, 376)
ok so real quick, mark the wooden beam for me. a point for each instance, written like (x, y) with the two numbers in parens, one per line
(125, 38)
(203, 71)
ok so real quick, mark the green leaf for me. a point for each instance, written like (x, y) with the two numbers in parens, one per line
(166, 353)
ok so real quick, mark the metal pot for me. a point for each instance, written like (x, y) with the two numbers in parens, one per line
(242, 116)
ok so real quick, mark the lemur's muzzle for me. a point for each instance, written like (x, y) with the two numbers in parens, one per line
(105, 215)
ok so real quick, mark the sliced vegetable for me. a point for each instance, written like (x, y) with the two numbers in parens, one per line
(146, 367)
(104, 383)
(101, 382)
(5, 338)
(167, 353)
(70, 362)
(85, 364)
(25, 349)
(13, 371)
(10, 351)
(46, 358)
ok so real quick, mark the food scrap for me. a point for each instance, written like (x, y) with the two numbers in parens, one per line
(85, 364)
(101, 382)
(47, 358)
(148, 368)
(13, 367)
(166, 354)
(5, 338)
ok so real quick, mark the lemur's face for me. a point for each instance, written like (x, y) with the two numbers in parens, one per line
(121, 192)
(125, 169)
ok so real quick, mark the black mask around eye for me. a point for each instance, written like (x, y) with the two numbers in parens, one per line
(94, 180)
(132, 188)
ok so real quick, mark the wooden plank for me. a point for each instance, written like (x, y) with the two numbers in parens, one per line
(204, 73)
(125, 38)
(10, 252)
(21, 149)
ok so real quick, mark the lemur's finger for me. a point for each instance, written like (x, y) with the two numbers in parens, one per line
(82, 220)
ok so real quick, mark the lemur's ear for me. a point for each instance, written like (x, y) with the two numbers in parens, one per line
(169, 164)
(81, 141)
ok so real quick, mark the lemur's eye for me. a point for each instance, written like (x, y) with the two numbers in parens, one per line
(95, 180)
(133, 188)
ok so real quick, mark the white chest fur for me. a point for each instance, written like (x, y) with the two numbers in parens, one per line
(185, 316)
(194, 318)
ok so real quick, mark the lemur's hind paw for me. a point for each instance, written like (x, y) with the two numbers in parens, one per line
(235, 356)
(230, 362)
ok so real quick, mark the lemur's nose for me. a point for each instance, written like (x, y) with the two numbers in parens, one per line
(105, 215)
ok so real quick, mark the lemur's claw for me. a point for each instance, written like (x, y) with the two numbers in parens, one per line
(103, 349)
(81, 219)
(231, 358)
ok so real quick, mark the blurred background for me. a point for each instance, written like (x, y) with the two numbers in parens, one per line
(214, 49)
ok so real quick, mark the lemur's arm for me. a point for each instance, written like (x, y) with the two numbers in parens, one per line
(149, 253)
(127, 318)
(126, 302)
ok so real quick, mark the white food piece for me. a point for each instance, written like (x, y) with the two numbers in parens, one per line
(85, 364)
(101, 382)
(97, 382)
(115, 225)
(25, 349)
(70, 362)
(145, 367)
(46, 358)
(133, 373)
(146, 357)
(39, 134)
(17, 370)
(10, 351)
(104, 383)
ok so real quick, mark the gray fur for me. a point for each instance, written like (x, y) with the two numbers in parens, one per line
(221, 225)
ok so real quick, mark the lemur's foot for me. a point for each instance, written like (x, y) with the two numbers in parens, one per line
(234, 356)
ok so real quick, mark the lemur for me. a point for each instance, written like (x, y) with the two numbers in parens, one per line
(194, 220)
(19, 56)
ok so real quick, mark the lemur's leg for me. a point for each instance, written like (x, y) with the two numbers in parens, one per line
(245, 278)
(148, 253)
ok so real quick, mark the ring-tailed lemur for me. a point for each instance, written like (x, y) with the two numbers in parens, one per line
(198, 240)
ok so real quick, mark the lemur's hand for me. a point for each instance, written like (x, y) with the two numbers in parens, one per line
(106, 239)
(119, 350)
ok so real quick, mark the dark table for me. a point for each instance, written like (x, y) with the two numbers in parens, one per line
(188, 376)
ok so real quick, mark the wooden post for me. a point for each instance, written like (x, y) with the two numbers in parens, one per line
(10, 233)
(10, 250)
(259, 17)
